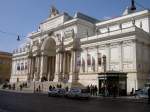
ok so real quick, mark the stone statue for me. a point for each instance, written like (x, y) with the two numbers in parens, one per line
(53, 11)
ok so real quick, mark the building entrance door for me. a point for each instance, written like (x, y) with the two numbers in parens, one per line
(112, 84)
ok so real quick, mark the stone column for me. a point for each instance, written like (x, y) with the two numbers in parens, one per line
(53, 73)
(29, 69)
(64, 64)
(67, 67)
(108, 56)
(43, 67)
(68, 63)
(37, 65)
(13, 68)
(71, 64)
(74, 76)
(32, 68)
(96, 61)
(86, 65)
(61, 67)
(57, 67)
(120, 56)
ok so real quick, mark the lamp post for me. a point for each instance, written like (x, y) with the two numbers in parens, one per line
(105, 78)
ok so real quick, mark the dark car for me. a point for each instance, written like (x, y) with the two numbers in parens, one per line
(57, 92)
(77, 93)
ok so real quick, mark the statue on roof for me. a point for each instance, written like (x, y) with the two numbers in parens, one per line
(53, 11)
(132, 8)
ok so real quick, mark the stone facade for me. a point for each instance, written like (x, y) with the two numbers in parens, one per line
(70, 49)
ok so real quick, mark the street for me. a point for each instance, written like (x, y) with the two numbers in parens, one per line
(27, 102)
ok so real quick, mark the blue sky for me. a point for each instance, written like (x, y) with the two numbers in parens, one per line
(24, 16)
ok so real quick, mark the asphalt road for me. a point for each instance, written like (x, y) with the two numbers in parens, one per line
(23, 102)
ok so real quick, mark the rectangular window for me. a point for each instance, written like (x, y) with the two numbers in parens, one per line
(88, 59)
(18, 66)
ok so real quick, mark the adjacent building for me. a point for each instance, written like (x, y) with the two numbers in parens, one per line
(5, 66)
(82, 49)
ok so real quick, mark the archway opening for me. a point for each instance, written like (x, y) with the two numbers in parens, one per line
(50, 53)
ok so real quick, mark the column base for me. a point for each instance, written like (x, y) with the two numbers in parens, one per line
(73, 78)
(42, 77)
(56, 79)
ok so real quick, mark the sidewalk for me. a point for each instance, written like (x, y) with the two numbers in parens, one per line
(123, 98)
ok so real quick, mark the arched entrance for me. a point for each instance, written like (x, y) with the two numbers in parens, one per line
(49, 53)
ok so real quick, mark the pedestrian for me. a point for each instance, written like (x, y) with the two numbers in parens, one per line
(88, 89)
(50, 88)
(91, 89)
(53, 87)
(149, 95)
(57, 85)
(13, 87)
(66, 88)
(60, 86)
(39, 88)
(114, 91)
(20, 87)
(132, 92)
(95, 90)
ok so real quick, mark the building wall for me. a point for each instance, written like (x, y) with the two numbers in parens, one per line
(124, 40)
(5, 66)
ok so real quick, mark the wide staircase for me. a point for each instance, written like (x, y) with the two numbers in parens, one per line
(37, 86)
(44, 86)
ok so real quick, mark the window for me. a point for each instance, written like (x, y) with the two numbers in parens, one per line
(18, 66)
(93, 63)
(99, 59)
(88, 59)
(22, 66)
(83, 65)
(26, 66)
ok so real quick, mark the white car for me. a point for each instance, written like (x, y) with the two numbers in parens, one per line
(57, 92)
(77, 93)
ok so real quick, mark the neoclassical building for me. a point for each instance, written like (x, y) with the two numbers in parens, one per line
(88, 51)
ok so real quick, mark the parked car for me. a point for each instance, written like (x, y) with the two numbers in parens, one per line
(77, 93)
(57, 92)
(142, 93)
